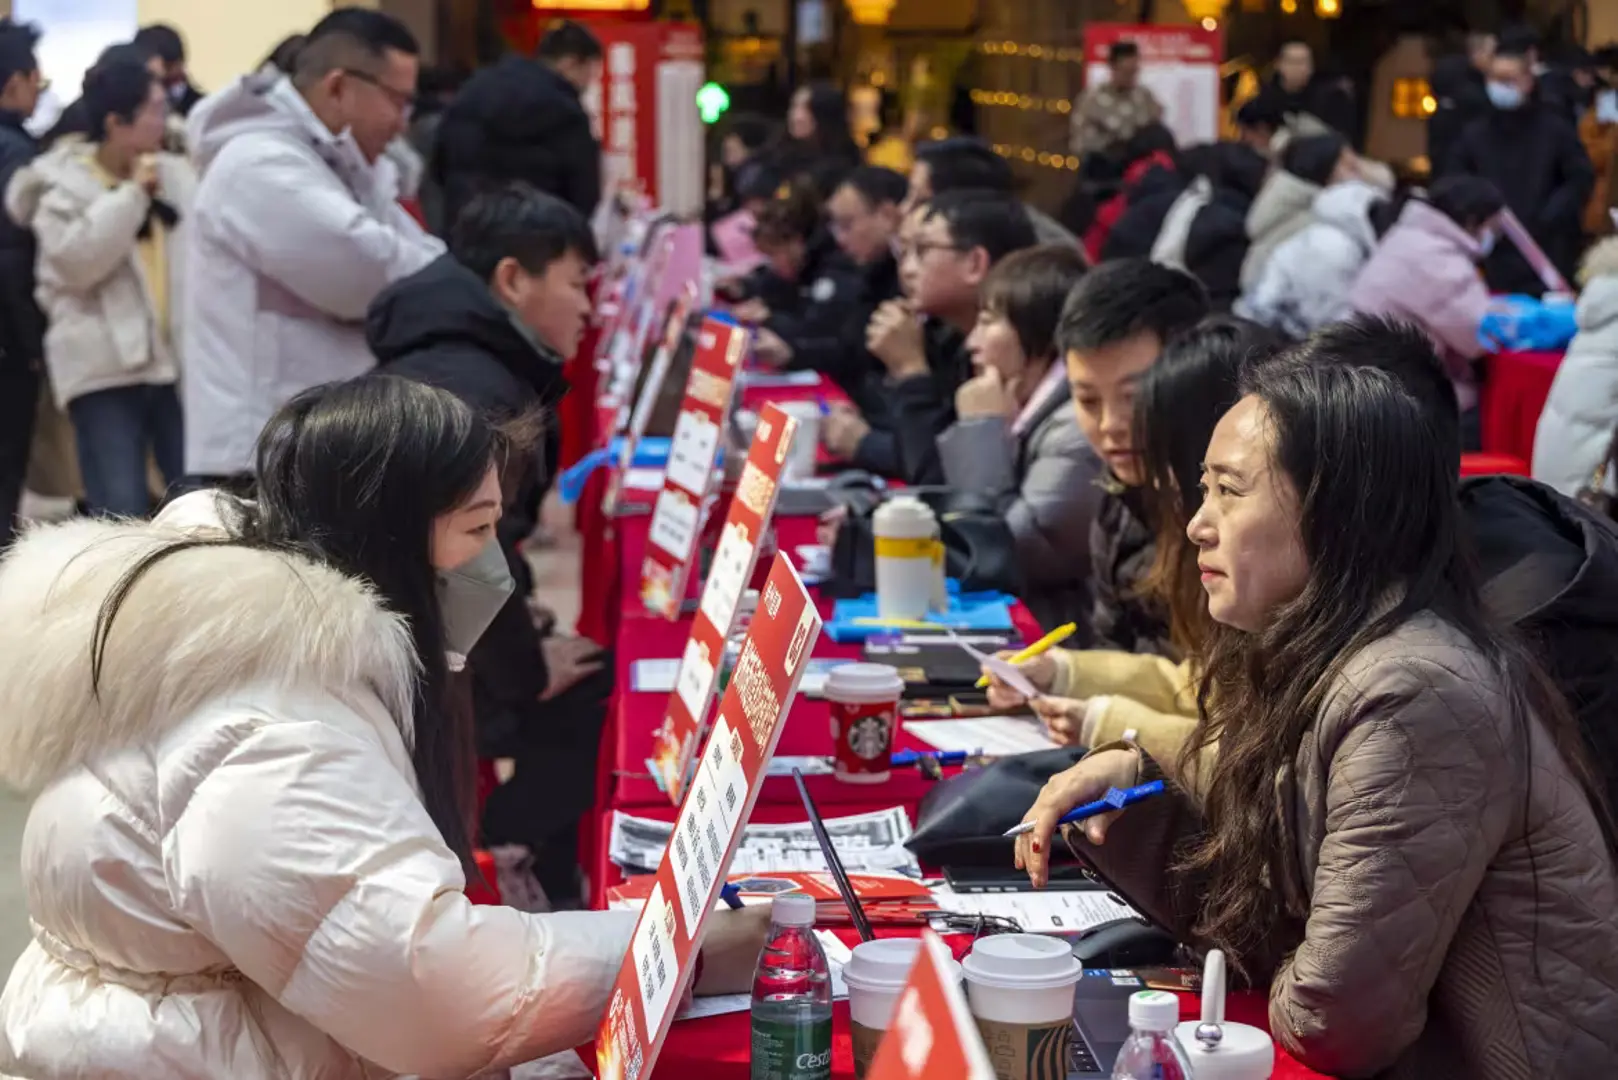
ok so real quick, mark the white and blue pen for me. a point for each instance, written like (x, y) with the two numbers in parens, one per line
(1114, 799)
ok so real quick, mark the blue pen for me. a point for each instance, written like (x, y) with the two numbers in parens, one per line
(905, 758)
(731, 895)
(1114, 799)
(825, 410)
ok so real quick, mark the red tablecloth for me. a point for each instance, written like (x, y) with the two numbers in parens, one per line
(1513, 394)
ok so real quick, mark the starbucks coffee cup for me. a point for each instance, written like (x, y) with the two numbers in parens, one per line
(1020, 988)
(875, 976)
(864, 700)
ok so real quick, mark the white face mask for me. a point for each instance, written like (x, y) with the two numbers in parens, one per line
(1505, 95)
(1607, 107)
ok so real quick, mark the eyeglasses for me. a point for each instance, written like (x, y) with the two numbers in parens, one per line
(405, 103)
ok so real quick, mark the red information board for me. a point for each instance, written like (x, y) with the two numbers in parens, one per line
(932, 1034)
(734, 557)
(727, 782)
(1178, 64)
(698, 432)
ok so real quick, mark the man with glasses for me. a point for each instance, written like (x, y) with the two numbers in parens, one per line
(296, 229)
(22, 328)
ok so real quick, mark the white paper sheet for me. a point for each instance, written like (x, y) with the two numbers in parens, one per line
(866, 843)
(995, 736)
(1052, 911)
(643, 479)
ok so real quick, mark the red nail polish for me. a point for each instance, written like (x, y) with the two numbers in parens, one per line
(1036, 845)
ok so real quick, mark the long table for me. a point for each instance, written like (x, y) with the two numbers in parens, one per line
(718, 1048)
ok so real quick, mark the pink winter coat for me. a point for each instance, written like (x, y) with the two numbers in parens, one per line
(1425, 271)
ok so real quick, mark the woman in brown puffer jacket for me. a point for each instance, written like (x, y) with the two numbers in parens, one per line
(1399, 830)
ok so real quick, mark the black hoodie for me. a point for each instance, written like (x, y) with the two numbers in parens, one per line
(1550, 567)
(517, 120)
(442, 326)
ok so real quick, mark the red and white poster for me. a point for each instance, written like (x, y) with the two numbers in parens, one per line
(729, 777)
(650, 390)
(1179, 64)
(698, 432)
(734, 557)
(932, 1033)
(645, 110)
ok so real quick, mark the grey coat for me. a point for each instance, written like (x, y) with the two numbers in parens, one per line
(1045, 480)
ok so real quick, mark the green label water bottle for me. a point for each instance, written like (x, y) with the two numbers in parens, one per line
(792, 997)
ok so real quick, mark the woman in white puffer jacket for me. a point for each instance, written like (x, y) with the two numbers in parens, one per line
(1576, 427)
(246, 857)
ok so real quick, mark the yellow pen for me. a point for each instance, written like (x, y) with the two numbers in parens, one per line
(1038, 648)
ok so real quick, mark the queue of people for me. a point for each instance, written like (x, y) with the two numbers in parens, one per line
(1214, 419)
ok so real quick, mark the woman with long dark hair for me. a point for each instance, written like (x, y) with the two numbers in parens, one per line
(251, 835)
(1092, 696)
(1398, 829)
(819, 145)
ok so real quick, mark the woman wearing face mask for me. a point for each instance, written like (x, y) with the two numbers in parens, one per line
(1016, 438)
(251, 834)
(1425, 271)
(1398, 831)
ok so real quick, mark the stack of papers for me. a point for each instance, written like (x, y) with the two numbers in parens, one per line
(866, 843)
(992, 736)
(1051, 911)
(837, 957)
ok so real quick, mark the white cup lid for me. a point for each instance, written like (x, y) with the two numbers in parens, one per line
(885, 964)
(864, 680)
(1022, 962)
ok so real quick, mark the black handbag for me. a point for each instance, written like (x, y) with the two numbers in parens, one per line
(979, 550)
(962, 820)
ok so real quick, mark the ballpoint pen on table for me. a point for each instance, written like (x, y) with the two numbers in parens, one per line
(903, 758)
(1038, 648)
(1114, 799)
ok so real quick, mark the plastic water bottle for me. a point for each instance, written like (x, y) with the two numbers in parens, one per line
(1152, 1052)
(792, 997)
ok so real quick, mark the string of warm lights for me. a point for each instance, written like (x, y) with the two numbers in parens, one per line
(1062, 54)
(1024, 102)
(1038, 157)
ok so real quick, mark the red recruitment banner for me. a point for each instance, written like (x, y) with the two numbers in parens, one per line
(650, 390)
(640, 312)
(677, 517)
(932, 1033)
(729, 777)
(734, 558)
(1178, 64)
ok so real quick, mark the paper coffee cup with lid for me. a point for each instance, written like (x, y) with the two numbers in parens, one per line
(864, 701)
(1020, 988)
(876, 974)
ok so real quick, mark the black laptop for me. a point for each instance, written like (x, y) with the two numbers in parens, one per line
(1100, 1022)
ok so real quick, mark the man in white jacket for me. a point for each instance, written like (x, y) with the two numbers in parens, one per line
(296, 229)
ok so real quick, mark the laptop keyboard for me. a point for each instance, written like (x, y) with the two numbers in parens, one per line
(1084, 1061)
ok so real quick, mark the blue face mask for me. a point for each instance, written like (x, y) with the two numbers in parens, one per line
(1505, 95)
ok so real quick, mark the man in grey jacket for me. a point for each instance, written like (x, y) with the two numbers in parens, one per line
(296, 229)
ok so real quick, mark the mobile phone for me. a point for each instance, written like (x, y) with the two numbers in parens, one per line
(996, 879)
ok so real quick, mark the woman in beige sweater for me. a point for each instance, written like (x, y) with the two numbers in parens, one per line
(1095, 696)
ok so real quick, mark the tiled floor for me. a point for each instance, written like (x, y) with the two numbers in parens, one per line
(556, 577)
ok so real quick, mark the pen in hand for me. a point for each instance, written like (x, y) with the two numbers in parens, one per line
(1114, 799)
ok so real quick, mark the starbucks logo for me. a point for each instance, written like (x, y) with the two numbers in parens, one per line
(868, 737)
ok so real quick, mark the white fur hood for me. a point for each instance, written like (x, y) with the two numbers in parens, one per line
(200, 623)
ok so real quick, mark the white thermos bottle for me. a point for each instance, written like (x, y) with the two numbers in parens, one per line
(1216, 1048)
(909, 559)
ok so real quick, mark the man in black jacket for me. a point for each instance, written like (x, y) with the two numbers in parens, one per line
(22, 327)
(1458, 87)
(490, 322)
(165, 43)
(1535, 157)
(951, 244)
(1296, 89)
(523, 120)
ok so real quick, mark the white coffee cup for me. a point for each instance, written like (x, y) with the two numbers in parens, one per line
(1020, 988)
(875, 975)
(800, 463)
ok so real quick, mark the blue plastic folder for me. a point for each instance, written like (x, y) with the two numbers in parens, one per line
(980, 612)
(650, 452)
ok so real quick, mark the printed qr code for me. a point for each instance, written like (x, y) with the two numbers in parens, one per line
(713, 844)
(679, 850)
(657, 949)
(736, 745)
(702, 799)
(662, 975)
(730, 796)
(702, 868)
(690, 885)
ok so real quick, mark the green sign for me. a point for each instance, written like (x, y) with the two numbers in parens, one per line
(712, 101)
